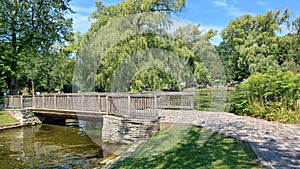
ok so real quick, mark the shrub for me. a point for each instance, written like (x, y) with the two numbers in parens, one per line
(272, 96)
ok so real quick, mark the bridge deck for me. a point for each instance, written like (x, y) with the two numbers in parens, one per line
(72, 114)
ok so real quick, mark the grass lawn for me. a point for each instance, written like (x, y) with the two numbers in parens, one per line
(191, 147)
(5, 119)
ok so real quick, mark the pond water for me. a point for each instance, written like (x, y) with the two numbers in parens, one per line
(76, 145)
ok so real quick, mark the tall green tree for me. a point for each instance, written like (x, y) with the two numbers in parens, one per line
(104, 15)
(251, 44)
(199, 53)
(293, 61)
(149, 50)
(147, 29)
(28, 29)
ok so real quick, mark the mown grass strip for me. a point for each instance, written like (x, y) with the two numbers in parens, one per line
(191, 147)
(6, 119)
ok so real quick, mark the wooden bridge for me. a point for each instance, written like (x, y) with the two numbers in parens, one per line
(143, 105)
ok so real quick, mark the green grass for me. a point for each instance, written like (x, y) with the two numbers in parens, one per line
(191, 147)
(5, 119)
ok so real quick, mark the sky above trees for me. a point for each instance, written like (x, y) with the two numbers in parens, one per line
(214, 14)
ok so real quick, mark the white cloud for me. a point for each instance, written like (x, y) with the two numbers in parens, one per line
(234, 11)
(262, 3)
(80, 18)
(80, 23)
(230, 8)
(220, 3)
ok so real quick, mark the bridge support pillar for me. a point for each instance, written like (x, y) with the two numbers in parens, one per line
(127, 130)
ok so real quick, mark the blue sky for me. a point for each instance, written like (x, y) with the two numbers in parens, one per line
(214, 14)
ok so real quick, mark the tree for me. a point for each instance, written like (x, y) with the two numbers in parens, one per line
(28, 29)
(104, 15)
(194, 47)
(144, 27)
(293, 61)
(250, 44)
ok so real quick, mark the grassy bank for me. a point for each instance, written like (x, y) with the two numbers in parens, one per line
(191, 147)
(5, 119)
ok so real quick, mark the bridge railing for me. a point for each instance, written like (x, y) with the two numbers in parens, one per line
(132, 105)
(17, 102)
(119, 104)
(175, 100)
(72, 102)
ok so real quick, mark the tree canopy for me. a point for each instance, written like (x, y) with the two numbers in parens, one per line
(251, 44)
(28, 31)
(131, 32)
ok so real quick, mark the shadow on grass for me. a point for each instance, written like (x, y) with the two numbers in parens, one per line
(197, 148)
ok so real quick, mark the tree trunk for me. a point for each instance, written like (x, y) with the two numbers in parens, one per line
(12, 84)
(32, 87)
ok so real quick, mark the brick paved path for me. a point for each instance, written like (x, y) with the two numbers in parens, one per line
(276, 145)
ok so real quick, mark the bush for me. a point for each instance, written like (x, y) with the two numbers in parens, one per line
(272, 96)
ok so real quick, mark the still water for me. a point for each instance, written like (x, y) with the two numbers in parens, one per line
(76, 145)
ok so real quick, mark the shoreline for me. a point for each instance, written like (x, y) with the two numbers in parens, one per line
(10, 126)
(22, 120)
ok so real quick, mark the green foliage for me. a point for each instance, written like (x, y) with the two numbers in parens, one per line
(250, 44)
(191, 147)
(293, 61)
(201, 73)
(135, 49)
(104, 15)
(148, 80)
(212, 99)
(272, 96)
(28, 32)
(200, 54)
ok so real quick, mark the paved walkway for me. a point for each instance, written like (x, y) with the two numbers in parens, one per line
(276, 145)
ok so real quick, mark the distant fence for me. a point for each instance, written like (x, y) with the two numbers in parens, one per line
(119, 104)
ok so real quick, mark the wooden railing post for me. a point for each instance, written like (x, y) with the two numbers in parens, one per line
(13, 101)
(155, 104)
(21, 102)
(128, 106)
(192, 101)
(107, 104)
(33, 100)
(68, 100)
(54, 101)
(82, 104)
(99, 102)
(43, 101)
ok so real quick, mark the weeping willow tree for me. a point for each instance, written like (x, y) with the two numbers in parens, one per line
(129, 47)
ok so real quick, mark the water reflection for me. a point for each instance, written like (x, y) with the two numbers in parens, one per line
(52, 146)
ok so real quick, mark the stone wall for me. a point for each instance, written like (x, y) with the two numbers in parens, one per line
(25, 117)
(127, 130)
